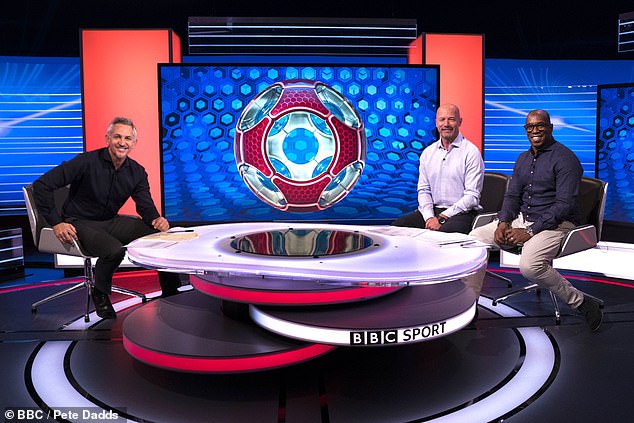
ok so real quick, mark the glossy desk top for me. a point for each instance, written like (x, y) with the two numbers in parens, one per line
(337, 254)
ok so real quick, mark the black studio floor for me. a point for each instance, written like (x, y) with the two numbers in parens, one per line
(438, 380)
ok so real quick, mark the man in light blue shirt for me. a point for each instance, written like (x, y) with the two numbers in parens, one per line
(451, 175)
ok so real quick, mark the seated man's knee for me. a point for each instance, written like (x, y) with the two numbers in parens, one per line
(531, 269)
(476, 233)
(397, 222)
(411, 220)
(484, 233)
(113, 253)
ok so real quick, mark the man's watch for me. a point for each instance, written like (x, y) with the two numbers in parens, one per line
(529, 231)
(441, 219)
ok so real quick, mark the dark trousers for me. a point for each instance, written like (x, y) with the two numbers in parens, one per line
(106, 240)
(459, 223)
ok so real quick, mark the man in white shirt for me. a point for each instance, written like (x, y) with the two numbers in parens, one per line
(451, 175)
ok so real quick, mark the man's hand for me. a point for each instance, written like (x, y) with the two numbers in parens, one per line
(161, 224)
(65, 232)
(506, 235)
(517, 236)
(500, 233)
(432, 223)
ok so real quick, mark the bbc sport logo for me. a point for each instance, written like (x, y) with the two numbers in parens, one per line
(394, 336)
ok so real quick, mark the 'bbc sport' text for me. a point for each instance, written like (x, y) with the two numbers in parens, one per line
(380, 337)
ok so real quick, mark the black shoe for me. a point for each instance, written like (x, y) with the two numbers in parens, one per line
(103, 306)
(591, 310)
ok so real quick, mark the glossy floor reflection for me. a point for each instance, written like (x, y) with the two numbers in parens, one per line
(45, 362)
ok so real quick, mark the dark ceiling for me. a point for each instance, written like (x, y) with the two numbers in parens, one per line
(527, 30)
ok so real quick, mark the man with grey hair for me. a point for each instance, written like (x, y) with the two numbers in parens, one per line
(100, 182)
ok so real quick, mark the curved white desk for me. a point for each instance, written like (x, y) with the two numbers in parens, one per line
(382, 286)
(398, 256)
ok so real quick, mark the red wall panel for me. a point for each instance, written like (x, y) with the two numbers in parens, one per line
(461, 60)
(119, 78)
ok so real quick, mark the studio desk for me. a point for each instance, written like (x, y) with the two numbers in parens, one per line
(271, 294)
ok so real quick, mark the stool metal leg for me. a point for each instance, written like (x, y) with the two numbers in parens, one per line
(556, 306)
(89, 281)
(60, 294)
(129, 292)
(514, 293)
(87, 284)
(532, 287)
(509, 283)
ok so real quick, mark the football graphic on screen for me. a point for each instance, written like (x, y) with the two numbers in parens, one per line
(300, 146)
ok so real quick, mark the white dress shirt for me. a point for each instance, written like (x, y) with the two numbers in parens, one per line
(450, 179)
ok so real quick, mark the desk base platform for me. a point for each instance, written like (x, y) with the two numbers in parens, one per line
(193, 332)
(413, 314)
(189, 332)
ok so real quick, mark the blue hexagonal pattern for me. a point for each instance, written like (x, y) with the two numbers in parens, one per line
(615, 149)
(199, 108)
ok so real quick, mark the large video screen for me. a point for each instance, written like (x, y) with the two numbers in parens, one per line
(615, 149)
(40, 121)
(259, 142)
(567, 89)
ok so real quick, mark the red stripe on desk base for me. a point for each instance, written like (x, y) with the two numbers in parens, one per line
(254, 296)
(226, 364)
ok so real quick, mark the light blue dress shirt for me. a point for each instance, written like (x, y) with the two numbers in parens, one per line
(450, 179)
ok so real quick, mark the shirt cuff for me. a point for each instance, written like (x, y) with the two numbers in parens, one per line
(427, 214)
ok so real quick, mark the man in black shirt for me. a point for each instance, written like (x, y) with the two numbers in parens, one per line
(100, 182)
(539, 208)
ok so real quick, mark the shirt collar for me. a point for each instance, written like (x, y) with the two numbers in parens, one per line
(455, 143)
(105, 155)
(545, 148)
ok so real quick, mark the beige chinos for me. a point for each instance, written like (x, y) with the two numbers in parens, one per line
(535, 260)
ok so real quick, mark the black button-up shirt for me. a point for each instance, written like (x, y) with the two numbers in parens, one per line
(97, 189)
(544, 188)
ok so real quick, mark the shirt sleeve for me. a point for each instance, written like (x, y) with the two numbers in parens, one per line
(425, 200)
(44, 187)
(513, 197)
(473, 181)
(143, 199)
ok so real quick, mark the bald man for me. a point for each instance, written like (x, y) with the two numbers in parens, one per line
(451, 174)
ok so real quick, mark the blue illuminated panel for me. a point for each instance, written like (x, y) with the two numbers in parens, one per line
(200, 105)
(40, 121)
(615, 156)
(567, 89)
